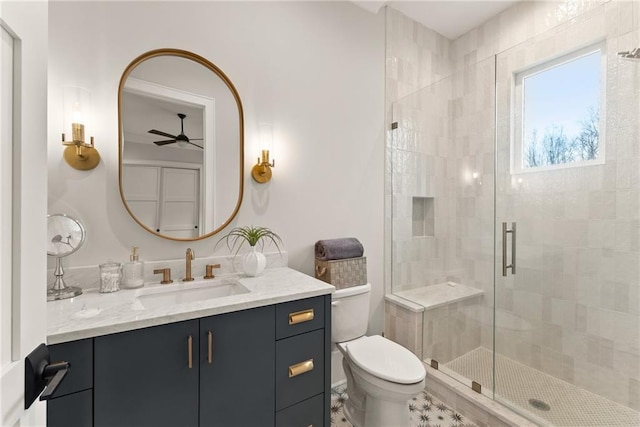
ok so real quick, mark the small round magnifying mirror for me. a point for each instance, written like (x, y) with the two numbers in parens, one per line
(65, 235)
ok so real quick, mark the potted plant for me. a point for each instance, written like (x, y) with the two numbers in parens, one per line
(254, 261)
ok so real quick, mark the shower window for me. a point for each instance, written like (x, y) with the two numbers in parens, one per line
(558, 112)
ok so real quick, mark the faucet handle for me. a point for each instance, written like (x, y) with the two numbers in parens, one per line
(209, 273)
(166, 275)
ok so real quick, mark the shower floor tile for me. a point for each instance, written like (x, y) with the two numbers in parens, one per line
(558, 402)
(424, 411)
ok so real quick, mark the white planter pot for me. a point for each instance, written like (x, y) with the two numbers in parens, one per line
(254, 263)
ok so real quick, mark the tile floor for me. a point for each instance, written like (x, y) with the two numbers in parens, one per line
(558, 402)
(424, 410)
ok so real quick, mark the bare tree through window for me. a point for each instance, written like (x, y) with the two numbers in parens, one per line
(560, 105)
(554, 147)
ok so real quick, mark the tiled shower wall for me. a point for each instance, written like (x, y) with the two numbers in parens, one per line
(578, 277)
(578, 228)
(416, 57)
(444, 135)
(421, 168)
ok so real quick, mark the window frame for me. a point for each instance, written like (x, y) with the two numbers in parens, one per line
(517, 107)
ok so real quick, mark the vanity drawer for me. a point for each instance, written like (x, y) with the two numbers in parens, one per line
(80, 355)
(297, 317)
(300, 367)
(308, 413)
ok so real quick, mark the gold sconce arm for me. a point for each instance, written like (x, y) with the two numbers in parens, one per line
(78, 154)
(261, 171)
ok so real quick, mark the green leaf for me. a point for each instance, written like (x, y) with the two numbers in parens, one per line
(238, 236)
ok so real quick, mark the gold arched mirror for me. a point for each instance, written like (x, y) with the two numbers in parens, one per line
(181, 145)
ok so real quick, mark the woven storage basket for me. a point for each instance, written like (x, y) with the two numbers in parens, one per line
(342, 273)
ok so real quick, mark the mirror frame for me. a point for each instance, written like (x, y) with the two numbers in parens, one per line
(217, 71)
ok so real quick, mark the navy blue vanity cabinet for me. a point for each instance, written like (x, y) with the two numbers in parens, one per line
(237, 355)
(303, 362)
(148, 377)
(74, 410)
(261, 367)
(309, 412)
(72, 403)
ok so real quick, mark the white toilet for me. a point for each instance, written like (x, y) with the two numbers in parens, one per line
(381, 375)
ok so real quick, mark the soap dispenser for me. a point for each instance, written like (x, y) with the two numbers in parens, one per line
(133, 271)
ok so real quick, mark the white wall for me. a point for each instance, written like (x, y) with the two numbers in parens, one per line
(314, 70)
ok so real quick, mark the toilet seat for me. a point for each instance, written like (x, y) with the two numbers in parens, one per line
(386, 360)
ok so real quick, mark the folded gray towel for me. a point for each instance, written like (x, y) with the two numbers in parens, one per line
(330, 249)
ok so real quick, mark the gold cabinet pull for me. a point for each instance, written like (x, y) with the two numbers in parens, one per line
(301, 316)
(300, 368)
(210, 347)
(190, 351)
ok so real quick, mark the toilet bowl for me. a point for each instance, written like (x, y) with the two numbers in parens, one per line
(381, 375)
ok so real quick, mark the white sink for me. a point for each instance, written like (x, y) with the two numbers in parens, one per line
(181, 293)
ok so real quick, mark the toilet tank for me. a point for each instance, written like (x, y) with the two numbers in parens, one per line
(350, 313)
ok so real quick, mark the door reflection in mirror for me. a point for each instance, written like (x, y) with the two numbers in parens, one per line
(181, 148)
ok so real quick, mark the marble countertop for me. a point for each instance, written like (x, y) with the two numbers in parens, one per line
(93, 314)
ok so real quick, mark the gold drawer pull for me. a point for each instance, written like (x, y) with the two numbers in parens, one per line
(301, 316)
(190, 351)
(300, 368)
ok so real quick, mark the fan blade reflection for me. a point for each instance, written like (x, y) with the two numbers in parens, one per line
(159, 132)
(170, 141)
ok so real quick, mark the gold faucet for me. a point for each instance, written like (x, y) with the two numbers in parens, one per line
(166, 275)
(190, 256)
(209, 271)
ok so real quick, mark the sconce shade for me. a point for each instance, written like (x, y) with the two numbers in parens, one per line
(77, 109)
(266, 136)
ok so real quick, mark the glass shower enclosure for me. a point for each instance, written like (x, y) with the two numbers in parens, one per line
(520, 245)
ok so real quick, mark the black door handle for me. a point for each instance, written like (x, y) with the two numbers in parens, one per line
(40, 374)
(53, 373)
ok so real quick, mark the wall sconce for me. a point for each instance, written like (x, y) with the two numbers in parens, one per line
(261, 171)
(76, 113)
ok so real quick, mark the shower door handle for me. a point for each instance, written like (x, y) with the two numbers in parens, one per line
(505, 231)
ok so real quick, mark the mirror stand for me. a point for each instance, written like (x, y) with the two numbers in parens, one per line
(60, 290)
(65, 236)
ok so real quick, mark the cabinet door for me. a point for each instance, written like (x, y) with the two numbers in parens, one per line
(143, 378)
(237, 382)
(72, 410)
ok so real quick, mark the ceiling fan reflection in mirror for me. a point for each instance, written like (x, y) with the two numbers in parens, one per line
(181, 138)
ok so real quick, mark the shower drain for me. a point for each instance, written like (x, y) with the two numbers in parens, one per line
(539, 404)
